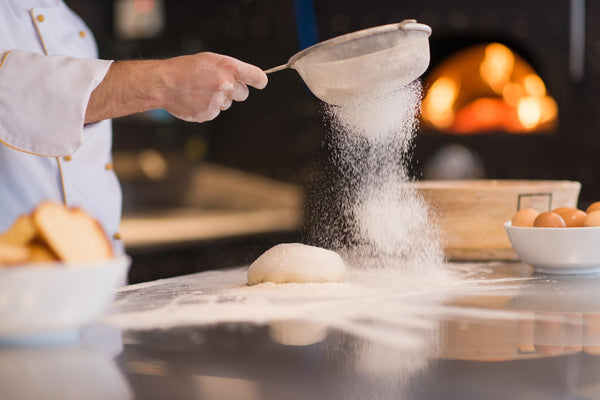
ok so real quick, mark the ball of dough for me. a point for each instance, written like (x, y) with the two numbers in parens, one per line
(296, 263)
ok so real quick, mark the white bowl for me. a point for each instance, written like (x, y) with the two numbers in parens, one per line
(557, 250)
(53, 301)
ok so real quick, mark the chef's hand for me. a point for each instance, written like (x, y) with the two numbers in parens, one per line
(199, 87)
(193, 88)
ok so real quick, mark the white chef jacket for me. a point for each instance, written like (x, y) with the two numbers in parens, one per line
(48, 69)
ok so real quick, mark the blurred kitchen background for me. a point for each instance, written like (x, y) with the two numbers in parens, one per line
(511, 92)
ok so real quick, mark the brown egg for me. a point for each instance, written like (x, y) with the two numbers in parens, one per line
(548, 219)
(573, 218)
(561, 210)
(525, 217)
(593, 207)
(592, 219)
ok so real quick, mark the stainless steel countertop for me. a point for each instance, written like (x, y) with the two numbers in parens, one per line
(491, 331)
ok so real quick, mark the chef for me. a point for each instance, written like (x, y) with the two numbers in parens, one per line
(57, 98)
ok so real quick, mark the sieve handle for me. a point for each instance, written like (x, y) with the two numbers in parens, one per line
(278, 68)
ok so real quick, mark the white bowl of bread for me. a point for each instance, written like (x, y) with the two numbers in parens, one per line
(57, 273)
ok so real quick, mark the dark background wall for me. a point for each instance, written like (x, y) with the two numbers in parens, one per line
(278, 132)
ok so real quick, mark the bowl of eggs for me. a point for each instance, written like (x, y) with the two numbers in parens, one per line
(470, 213)
(562, 241)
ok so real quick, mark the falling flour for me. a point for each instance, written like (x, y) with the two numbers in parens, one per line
(369, 212)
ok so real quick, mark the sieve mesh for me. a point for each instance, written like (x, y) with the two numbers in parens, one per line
(377, 61)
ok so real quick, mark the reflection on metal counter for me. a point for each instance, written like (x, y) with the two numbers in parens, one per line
(372, 336)
(484, 330)
(82, 370)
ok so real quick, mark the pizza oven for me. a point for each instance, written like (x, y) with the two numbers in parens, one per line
(510, 93)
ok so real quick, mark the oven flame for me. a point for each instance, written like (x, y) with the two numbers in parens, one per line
(488, 88)
(438, 106)
(497, 65)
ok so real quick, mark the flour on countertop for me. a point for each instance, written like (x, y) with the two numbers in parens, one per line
(398, 302)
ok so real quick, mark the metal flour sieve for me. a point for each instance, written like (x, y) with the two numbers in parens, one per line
(377, 60)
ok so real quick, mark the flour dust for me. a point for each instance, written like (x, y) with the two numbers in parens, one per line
(367, 209)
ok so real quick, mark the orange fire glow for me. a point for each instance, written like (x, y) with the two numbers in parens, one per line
(487, 88)
(144, 6)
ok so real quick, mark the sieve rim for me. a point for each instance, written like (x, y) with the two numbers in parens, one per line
(407, 25)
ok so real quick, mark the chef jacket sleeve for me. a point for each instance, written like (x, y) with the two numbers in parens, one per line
(43, 100)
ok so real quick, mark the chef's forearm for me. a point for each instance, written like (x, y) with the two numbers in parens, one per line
(193, 88)
(129, 87)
